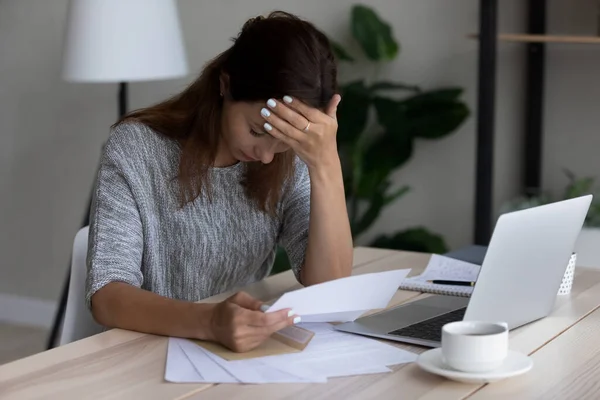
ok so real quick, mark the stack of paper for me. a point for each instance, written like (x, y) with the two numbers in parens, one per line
(329, 354)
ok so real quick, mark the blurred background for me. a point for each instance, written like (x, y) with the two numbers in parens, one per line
(417, 188)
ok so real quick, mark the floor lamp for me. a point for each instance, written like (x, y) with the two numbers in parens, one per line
(119, 41)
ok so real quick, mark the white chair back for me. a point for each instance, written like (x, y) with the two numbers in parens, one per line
(78, 322)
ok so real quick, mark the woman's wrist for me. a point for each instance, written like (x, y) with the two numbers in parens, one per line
(327, 170)
(201, 314)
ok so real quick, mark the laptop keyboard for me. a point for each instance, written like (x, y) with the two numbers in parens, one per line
(430, 329)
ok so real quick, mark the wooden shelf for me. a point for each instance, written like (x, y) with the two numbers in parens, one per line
(524, 38)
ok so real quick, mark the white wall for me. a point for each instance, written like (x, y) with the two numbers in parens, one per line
(572, 120)
(51, 131)
(50, 138)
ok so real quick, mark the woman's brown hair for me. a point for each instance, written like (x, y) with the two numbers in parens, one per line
(271, 57)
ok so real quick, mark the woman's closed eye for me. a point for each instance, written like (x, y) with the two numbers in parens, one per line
(257, 133)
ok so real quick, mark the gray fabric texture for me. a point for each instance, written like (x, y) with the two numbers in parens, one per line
(140, 235)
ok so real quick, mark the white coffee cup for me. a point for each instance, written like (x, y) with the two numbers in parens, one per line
(474, 346)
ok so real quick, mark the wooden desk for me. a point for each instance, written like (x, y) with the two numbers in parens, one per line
(130, 365)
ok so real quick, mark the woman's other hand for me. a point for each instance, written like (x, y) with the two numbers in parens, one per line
(239, 324)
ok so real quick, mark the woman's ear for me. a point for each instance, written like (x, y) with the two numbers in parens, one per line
(224, 85)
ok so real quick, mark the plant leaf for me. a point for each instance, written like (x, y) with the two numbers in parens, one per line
(282, 262)
(393, 86)
(357, 163)
(371, 182)
(435, 114)
(381, 157)
(395, 195)
(367, 219)
(577, 186)
(387, 152)
(352, 111)
(390, 113)
(397, 141)
(438, 95)
(373, 34)
(414, 239)
(593, 217)
(581, 187)
(570, 174)
(438, 123)
(340, 52)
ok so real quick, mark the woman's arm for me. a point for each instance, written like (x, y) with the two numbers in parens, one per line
(236, 322)
(114, 276)
(329, 252)
(120, 305)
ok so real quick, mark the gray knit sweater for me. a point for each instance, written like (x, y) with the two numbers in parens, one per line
(139, 235)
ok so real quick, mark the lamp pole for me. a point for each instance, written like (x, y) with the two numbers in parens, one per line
(100, 48)
(123, 94)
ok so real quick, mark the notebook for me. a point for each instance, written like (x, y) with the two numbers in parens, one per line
(444, 268)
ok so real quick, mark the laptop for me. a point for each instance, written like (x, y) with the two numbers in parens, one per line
(518, 281)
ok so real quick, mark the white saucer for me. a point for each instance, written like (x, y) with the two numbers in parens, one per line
(515, 364)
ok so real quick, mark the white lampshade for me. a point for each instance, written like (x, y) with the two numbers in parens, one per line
(123, 40)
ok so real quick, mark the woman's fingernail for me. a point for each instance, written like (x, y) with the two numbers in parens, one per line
(264, 308)
(287, 99)
(271, 103)
(268, 126)
(297, 320)
(265, 113)
(290, 313)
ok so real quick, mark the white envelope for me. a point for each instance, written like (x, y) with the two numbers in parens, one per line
(343, 299)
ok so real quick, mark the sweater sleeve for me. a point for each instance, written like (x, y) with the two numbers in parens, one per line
(115, 242)
(296, 216)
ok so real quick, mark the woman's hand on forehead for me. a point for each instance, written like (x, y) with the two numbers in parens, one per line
(310, 132)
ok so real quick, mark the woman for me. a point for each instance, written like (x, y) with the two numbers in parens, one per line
(194, 194)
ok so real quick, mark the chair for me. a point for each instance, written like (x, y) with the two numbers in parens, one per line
(78, 322)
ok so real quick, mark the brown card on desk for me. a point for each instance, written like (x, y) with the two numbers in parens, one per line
(292, 339)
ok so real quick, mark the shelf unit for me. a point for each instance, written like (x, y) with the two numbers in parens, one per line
(525, 38)
(535, 41)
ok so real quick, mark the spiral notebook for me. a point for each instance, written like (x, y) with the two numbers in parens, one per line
(444, 268)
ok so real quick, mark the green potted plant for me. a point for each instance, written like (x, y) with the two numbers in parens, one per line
(404, 113)
(588, 243)
(371, 152)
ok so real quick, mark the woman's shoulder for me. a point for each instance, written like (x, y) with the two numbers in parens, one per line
(131, 136)
(135, 140)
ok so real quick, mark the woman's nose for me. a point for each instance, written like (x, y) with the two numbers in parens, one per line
(266, 156)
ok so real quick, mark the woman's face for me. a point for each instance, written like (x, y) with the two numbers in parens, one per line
(244, 134)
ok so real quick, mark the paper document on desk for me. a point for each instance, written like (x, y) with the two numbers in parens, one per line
(179, 368)
(330, 354)
(189, 363)
(344, 299)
